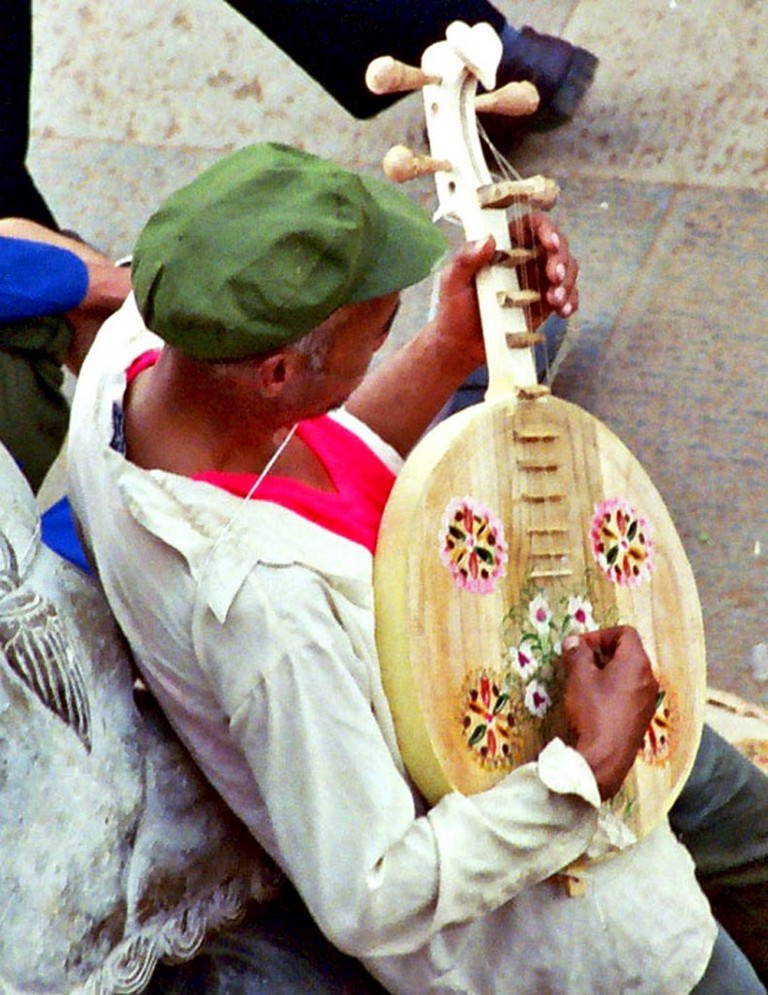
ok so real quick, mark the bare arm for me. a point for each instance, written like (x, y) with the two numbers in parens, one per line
(108, 285)
(34, 232)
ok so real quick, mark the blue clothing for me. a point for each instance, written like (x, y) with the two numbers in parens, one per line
(60, 535)
(37, 279)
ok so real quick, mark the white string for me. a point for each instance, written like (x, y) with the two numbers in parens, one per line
(257, 483)
(502, 165)
(507, 171)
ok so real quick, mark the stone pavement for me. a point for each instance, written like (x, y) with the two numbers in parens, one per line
(664, 178)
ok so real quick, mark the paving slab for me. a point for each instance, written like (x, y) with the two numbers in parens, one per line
(123, 107)
(681, 94)
(670, 354)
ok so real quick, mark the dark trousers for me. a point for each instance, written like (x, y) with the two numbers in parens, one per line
(722, 818)
(18, 195)
(334, 40)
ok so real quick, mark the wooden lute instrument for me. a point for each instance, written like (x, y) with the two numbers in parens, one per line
(519, 520)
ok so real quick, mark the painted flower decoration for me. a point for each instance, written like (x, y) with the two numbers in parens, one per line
(540, 614)
(472, 545)
(537, 699)
(534, 630)
(660, 737)
(578, 612)
(523, 661)
(621, 542)
(488, 720)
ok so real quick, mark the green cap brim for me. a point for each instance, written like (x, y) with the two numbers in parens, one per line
(263, 246)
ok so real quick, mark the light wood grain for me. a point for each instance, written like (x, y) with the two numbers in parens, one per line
(541, 466)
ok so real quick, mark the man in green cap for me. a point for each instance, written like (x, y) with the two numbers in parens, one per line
(229, 469)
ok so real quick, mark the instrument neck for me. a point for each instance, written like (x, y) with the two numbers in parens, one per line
(508, 342)
(453, 138)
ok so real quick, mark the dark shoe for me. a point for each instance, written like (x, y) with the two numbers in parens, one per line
(561, 72)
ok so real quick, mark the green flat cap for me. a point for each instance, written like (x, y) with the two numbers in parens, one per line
(264, 245)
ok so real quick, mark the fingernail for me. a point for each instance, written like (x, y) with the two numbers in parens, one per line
(558, 295)
(570, 642)
(567, 310)
(560, 272)
(554, 240)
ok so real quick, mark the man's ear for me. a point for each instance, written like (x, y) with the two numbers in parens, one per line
(276, 371)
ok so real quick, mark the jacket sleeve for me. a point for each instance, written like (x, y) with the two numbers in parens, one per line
(334, 807)
(37, 279)
(334, 42)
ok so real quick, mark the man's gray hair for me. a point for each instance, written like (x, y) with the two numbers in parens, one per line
(315, 346)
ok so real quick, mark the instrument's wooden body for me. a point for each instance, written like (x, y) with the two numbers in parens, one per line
(540, 468)
(516, 522)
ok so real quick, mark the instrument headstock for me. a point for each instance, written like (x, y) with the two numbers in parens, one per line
(467, 193)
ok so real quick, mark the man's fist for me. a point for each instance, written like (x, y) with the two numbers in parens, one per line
(610, 699)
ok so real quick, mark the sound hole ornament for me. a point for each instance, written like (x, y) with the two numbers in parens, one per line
(621, 542)
(490, 720)
(660, 738)
(472, 545)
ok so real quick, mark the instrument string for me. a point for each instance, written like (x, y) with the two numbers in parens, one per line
(503, 169)
(257, 483)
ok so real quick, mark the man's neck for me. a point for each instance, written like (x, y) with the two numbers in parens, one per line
(180, 418)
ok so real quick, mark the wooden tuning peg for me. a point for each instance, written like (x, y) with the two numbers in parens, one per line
(514, 257)
(517, 298)
(402, 164)
(538, 191)
(388, 75)
(512, 100)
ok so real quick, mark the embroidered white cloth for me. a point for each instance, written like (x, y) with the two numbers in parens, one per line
(257, 637)
(114, 852)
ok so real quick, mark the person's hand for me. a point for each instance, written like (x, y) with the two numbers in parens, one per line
(108, 284)
(610, 699)
(457, 322)
(108, 287)
(553, 272)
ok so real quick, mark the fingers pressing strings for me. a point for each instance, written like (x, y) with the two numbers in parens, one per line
(529, 276)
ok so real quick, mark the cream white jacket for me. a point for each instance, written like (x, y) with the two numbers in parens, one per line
(254, 629)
